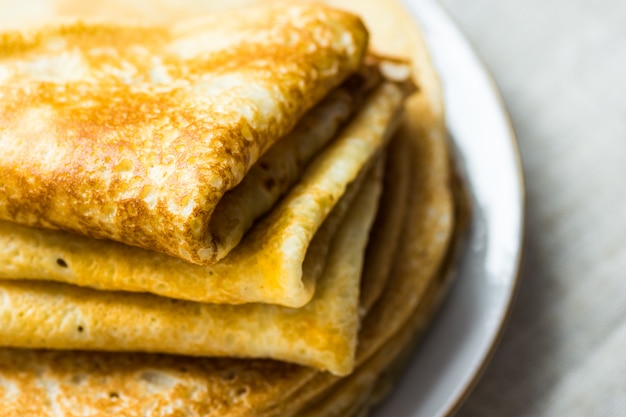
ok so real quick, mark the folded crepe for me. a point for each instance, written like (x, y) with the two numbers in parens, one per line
(124, 384)
(401, 284)
(278, 261)
(135, 133)
(321, 334)
(115, 383)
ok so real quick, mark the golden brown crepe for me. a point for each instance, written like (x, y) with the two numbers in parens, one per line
(321, 334)
(123, 384)
(134, 133)
(277, 262)
(78, 383)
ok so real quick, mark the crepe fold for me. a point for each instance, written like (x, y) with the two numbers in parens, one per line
(123, 384)
(367, 305)
(321, 334)
(262, 251)
(278, 261)
(307, 252)
(135, 133)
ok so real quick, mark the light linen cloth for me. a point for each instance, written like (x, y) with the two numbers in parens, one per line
(561, 67)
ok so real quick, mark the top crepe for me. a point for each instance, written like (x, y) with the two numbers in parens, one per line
(136, 137)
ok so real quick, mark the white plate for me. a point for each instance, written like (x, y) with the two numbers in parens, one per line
(456, 348)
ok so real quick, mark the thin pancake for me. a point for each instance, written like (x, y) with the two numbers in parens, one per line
(124, 384)
(134, 133)
(321, 334)
(277, 262)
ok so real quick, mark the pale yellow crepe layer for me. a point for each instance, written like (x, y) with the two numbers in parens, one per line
(277, 262)
(135, 132)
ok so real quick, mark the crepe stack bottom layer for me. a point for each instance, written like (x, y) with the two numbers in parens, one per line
(386, 245)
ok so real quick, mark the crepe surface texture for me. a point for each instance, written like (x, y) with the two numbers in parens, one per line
(321, 334)
(402, 282)
(277, 262)
(135, 133)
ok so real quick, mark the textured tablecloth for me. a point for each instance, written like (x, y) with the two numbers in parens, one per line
(561, 67)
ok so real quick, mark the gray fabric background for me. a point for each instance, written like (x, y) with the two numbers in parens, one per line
(561, 67)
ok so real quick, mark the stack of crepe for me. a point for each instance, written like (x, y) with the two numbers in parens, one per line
(239, 214)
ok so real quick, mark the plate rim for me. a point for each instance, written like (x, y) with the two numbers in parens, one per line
(458, 398)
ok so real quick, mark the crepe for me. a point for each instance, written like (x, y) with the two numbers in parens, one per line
(277, 262)
(43, 382)
(122, 384)
(134, 133)
(321, 334)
